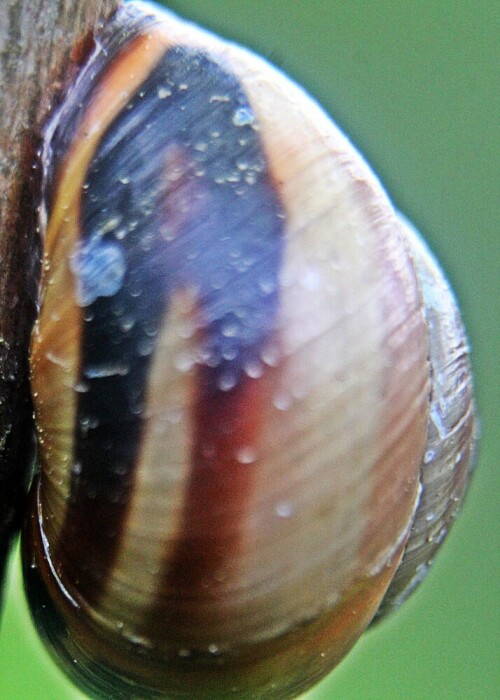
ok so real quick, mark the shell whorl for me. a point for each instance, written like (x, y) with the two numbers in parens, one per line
(230, 375)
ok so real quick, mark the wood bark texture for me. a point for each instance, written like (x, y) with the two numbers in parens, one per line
(42, 43)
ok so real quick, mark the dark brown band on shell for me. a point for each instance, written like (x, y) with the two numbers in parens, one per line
(163, 210)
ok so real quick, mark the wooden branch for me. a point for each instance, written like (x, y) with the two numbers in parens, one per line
(41, 44)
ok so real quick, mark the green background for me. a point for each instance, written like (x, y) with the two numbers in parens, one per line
(412, 84)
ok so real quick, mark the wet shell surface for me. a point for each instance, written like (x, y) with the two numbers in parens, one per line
(250, 407)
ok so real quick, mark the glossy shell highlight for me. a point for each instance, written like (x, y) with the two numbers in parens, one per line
(230, 375)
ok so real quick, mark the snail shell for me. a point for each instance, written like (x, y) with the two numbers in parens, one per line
(232, 372)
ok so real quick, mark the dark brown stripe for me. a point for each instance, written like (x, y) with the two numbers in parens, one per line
(177, 195)
(226, 427)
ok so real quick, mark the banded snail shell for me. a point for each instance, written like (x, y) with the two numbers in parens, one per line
(231, 379)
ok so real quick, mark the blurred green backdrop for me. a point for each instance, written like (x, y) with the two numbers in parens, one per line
(413, 84)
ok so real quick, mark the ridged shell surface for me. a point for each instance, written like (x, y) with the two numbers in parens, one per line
(230, 375)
